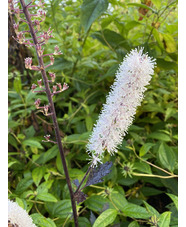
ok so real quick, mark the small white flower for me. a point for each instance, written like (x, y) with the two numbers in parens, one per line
(124, 97)
(17, 216)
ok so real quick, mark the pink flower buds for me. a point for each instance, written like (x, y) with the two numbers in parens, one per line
(40, 83)
(39, 49)
(28, 63)
(33, 87)
(37, 24)
(51, 60)
(46, 109)
(65, 87)
(56, 50)
(47, 137)
(53, 76)
(20, 37)
(37, 103)
(16, 26)
(54, 88)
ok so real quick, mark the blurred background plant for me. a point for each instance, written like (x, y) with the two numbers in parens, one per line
(94, 36)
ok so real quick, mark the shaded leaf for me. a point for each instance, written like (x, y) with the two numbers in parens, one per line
(91, 10)
(97, 174)
(174, 199)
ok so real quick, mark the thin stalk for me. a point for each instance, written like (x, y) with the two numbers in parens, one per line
(52, 108)
(153, 175)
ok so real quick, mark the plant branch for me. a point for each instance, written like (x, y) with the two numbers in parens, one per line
(54, 118)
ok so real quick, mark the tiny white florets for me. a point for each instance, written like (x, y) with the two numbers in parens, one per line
(17, 216)
(125, 96)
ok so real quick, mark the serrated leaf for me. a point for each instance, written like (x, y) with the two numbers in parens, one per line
(164, 219)
(82, 221)
(174, 199)
(97, 174)
(23, 185)
(40, 220)
(145, 148)
(91, 10)
(97, 203)
(62, 208)
(46, 197)
(135, 211)
(37, 174)
(118, 200)
(166, 156)
(106, 218)
(151, 210)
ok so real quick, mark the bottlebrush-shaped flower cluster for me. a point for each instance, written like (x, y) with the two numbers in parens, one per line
(17, 216)
(35, 38)
(118, 113)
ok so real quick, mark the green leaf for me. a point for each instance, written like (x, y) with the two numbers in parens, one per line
(135, 211)
(80, 139)
(41, 221)
(23, 185)
(47, 156)
(164, 219)
(32, 143)
(142, 167)
(169, 43)
(37, 174)
(89, 123)
(174, 199)
(134, 224)
(91, 10)
(17, 84)
(62, 208)
(148, 191)
(166, 65)
(166, 156)
(142, 6)
(145, 148)
(151, 210)
(159, 136)
(106, 218)
(97, 203)
(47, 197)
(112, 38)
(82, 221)
(118, 199)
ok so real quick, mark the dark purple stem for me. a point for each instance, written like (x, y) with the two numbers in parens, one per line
(78, 188)
(52, 108)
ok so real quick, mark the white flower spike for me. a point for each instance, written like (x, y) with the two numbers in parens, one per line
(125, 96)
(17, 216)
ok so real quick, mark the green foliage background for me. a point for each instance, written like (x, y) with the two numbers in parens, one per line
(94, 36)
